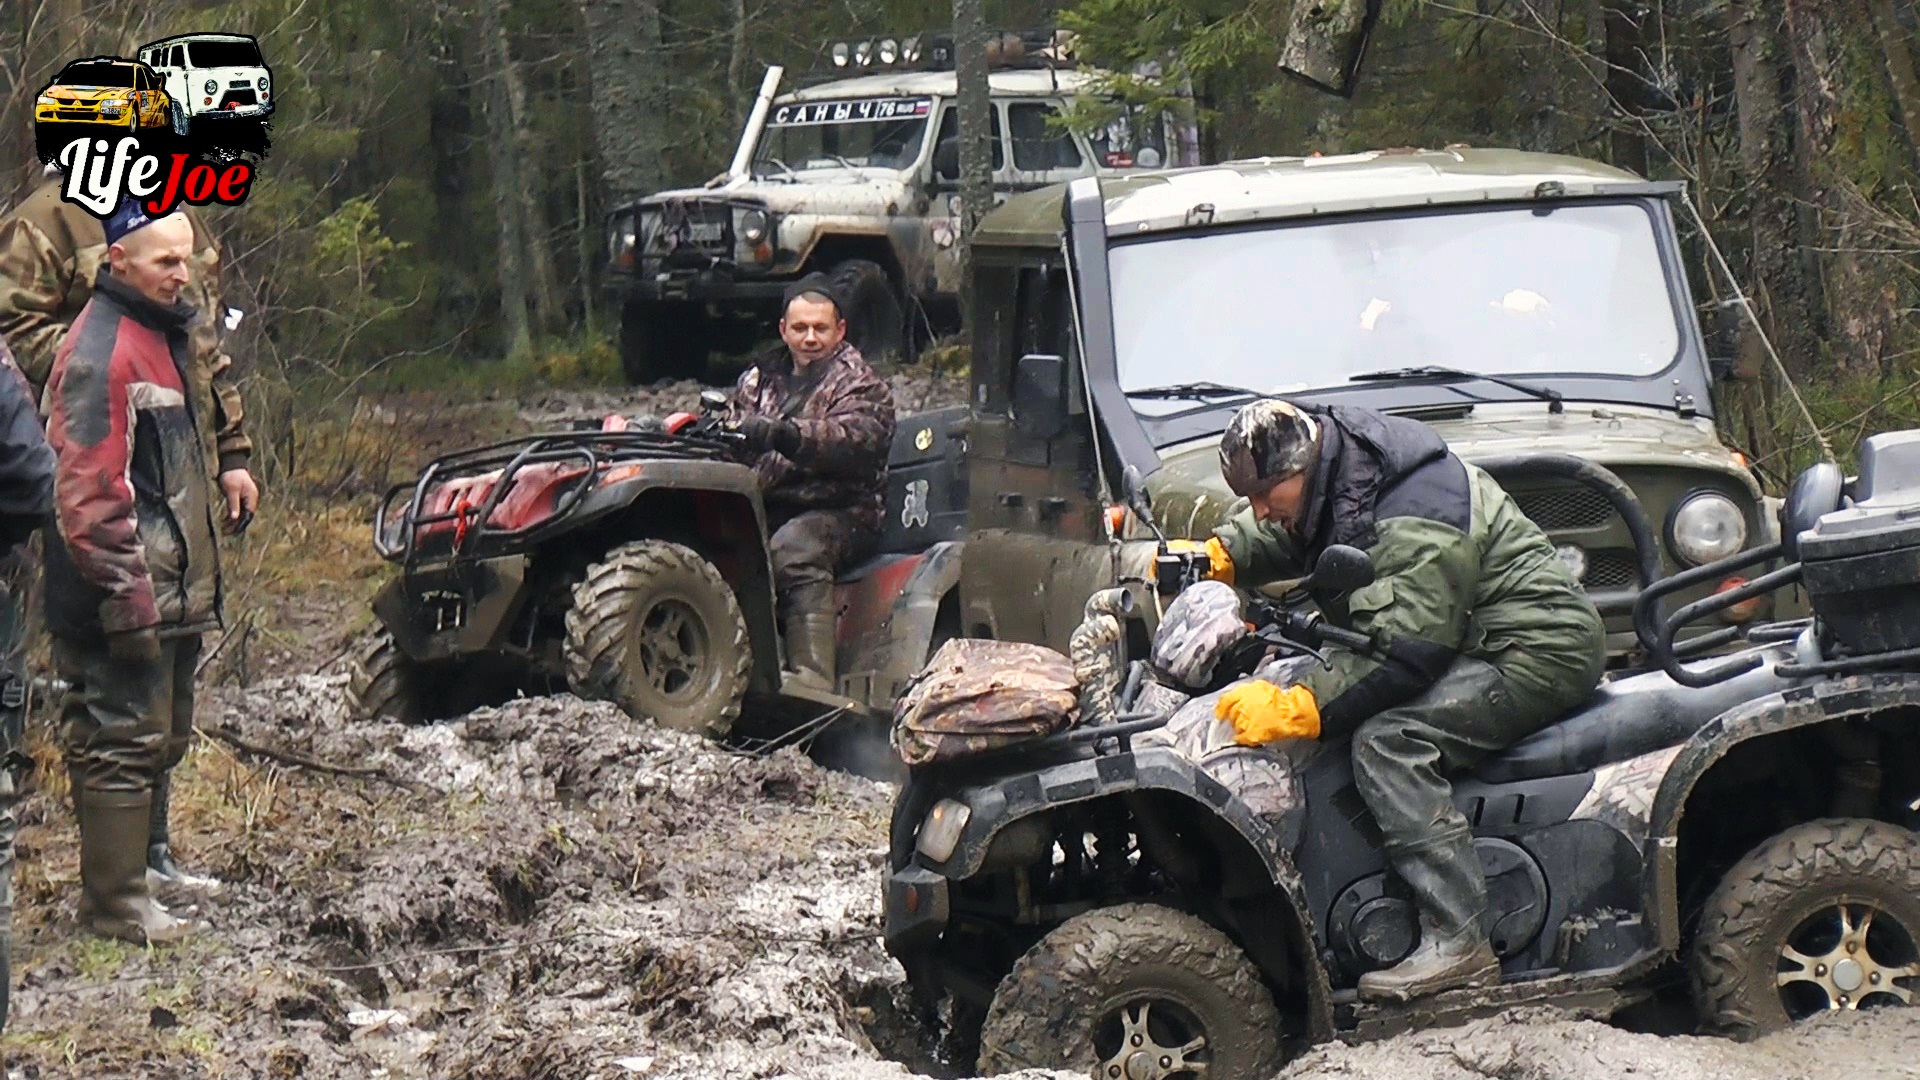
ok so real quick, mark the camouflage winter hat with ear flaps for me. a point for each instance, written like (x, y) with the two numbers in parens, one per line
(1266, 442)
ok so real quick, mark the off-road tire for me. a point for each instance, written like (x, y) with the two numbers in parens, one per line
(604, 623)
(876, 319)
(662, 341)
(181, 123)
(1044, 1013)
(386, 683)
(1779, 885)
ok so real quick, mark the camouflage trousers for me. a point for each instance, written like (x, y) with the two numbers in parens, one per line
(125, 723)
(14, 762)
(1403, 756)
(809, 548)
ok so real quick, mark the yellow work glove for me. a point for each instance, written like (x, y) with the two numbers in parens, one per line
(1262, 712)
(1220, 563)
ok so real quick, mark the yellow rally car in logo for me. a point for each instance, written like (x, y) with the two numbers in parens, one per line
(104, 90)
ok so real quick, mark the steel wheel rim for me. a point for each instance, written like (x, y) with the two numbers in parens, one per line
(676, 654)
(1850, 954)
(1151, 1036)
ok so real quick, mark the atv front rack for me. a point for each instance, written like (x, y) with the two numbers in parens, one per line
(396, 532)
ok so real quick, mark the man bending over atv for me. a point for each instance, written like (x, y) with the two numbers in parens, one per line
(1483, 638)
(819, 423)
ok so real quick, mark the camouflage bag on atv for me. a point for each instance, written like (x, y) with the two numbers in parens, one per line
(979, 695)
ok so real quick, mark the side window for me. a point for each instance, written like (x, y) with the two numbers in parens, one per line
(1043, 317)
(946, 148)
(179, 56)
(1038, 144)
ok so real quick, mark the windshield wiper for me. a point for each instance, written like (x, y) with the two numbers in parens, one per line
(1196, 391)
(1555, 403)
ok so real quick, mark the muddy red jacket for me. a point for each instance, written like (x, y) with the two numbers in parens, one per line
(133, 543)
(845, 415)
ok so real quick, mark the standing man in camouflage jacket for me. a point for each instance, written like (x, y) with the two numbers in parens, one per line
(819, 423)
(1481, 638)
(51, 252)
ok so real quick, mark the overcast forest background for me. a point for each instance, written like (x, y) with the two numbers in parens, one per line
(420, 146)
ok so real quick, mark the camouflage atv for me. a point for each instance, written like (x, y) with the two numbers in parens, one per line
(632, 566)
(1138, 896)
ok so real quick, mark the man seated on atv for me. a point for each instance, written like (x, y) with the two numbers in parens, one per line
(819, 423)
(1481, 635)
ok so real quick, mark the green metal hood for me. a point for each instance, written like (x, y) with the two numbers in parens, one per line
(1190, 498)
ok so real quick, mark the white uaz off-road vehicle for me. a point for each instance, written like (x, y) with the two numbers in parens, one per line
(857, 177)
(211, 77)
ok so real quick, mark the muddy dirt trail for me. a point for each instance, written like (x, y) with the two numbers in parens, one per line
(551, 890)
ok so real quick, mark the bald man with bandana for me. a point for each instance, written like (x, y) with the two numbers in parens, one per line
(1482, 638)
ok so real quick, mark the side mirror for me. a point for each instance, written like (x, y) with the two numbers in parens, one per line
(946, 161)
(1326, 40)
(1139, 499)
(1040, 396)
(1816, 492)
(713, 401)
(1340, 569)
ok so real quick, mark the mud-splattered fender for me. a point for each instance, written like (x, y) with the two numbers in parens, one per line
(997, 806)
(716, 506)
(1801, 706)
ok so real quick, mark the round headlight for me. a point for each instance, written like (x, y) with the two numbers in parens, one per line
(754, 225)
(889, 51)
(1707, 527)
(841, 54)
(211, 86)
(262, 84)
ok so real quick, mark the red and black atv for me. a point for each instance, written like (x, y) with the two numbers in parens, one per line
(632, 566)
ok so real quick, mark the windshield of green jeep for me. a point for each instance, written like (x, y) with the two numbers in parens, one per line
(1304, 306)
(866, 132)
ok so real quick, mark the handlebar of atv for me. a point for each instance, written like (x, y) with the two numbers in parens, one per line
(1309, 628)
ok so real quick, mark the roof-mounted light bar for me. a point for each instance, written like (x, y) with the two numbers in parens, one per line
(934, 52)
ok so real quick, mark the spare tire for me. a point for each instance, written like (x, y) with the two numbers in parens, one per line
(876, 319)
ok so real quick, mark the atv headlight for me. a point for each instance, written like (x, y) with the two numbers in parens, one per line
(211, 87)
(940, 833)
(754, 226)
(1707, 527)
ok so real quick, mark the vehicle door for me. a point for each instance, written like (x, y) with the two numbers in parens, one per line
(151, 105)
(943, 194)
(1035, 543)
(179, 78)
(1043, 152)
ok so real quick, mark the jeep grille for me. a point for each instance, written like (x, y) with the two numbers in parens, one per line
(1611, 569)
(1554, 509)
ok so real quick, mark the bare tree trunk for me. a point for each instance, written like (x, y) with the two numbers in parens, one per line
(1894, 45)
(590, 249)
(975, 103)
(1860, 310)
(1779, 275)
(533, 234)
(627, 62)
(1626, 84)
(506, 181)
(736, 63)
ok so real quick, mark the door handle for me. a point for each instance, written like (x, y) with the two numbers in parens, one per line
(1052, 505)
(1011, 499)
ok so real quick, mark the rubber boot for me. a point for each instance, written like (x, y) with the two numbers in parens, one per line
(809, 627)
(114, 901)
(1445, 877)
(162, 871)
